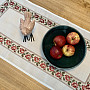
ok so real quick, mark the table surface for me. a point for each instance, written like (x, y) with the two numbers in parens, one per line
(76, 11)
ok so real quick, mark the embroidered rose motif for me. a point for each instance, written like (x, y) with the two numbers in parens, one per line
(28, 56)
(1, 39)
(75, 85)
(67, 77)
(23, 9)
(49, 22)
(22, 50)
(17, 7)
(59, 75)
(8, 42)
(36, 16)
(36, 59)
(5, 4)
(11, 3)
(14, 48)
(51, 68)
(2, 10)
(83, 87)
(43, 65)
(42, 20)
(86, 87)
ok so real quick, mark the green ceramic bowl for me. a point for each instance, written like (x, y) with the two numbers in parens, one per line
(64, 62)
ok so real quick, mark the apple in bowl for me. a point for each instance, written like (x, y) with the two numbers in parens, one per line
(59, 40)
(73, 38)
(68, 50)
(56, 52)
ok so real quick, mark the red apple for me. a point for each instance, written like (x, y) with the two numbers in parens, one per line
(73, 38)
(56, 52)
(59, 40)
(68, 50)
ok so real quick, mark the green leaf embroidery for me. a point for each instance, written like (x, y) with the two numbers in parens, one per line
(27, 53)
(47, 69)
(32, 55)
(37, 64)
(32, 60)
(42, 61)
(69, 82)
(47, 64)
(52, 73)
(73, 80)
(23, 54)
(18, 51)
(63, 73)
(57, 70)
(18, 47)
(9, 46)
(45, 23)
(63, 78)
(4, 43)
(5, 38)
(79, 84)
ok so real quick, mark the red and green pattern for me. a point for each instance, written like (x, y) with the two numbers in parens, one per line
(36, 60)
(33, 58)
(21, 9)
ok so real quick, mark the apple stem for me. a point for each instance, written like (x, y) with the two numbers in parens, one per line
(54, 43)
(67, 50)
(73, 38)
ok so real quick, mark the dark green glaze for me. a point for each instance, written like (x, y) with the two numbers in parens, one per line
(64, 62)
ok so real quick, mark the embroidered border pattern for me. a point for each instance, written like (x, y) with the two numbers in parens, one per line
(21, 9)
(36, 60)
(27, 55)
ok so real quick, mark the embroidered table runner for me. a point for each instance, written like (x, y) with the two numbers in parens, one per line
(28, 56)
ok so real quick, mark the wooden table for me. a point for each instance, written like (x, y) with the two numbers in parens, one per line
(76, 11)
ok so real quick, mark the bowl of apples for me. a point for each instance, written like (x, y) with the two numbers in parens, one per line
(64, 47)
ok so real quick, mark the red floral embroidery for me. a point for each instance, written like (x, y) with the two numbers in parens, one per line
(17, 7)
(8, 42)
(43, 65)
(14, 48)
(88, 86)
(1, 39)
(36, 16)
(22, 50)
(5, 4)
(42, 20)
(2, 10)
(75, 85)
(28, 56)
(23, 9)
(67, 77)
(11, 3)
(36, 59)
(51, 68)
(49, 22)
(59, 75)
(83, 87)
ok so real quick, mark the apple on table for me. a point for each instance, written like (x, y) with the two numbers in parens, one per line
(59, 40)
(73, 38)
(56, 52)
(68, 50)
